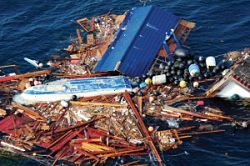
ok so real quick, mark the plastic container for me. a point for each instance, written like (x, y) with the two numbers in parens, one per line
(210, 62)
(196, 84)
(148, 81)
(183, 84)
(194, 70)
(200, 103)
(180, 53)
(142, 85)
(64, 103)
(159, 79)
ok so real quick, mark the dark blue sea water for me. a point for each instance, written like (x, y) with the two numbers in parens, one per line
(40, 28)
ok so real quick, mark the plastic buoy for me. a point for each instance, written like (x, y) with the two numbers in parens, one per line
(194, 70)
(142, 85)
(183, 84)
(150, 129)
(64, 103)
(150, 74)
(200, 103)
(161, 66)
(49, 63)
(235, 97)
(74, 98)
(180, 52)
(201, 59)
(196, 84)
(148, 81)
(176, 82)
(40, 65)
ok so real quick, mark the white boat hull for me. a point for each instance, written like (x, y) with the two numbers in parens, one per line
(65, 89)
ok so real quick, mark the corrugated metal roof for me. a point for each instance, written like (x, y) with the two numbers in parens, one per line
(137, 42)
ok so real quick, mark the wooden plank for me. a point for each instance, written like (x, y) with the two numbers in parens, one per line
(7, 66)
(90, 39)
(143, 128)
(59, 139)
(2, 112)
(198, 115)
(83, 22)
(201, 132)
(29, 112)
(140, 103)
(26, 75)
(88, 154)
(97, 104)
(79, 37)
(217, 86)
(187, 24)
(33, 74)
(122, 152)
(76, 126)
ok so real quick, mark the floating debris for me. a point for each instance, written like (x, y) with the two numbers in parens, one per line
(94, 104)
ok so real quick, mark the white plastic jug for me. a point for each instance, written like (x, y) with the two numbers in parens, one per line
(159, 79)
(210, 61)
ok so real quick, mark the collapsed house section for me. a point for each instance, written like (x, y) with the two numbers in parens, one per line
(143, 33)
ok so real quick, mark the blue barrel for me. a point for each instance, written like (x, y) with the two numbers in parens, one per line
(194, 70)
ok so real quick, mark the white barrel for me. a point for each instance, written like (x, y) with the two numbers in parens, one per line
(210, 61)
(159, 79)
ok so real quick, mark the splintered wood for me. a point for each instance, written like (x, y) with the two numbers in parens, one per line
(92, 130)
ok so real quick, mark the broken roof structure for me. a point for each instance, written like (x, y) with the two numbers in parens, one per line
(140, 37)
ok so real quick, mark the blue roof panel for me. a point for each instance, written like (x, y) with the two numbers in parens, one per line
(137, 42)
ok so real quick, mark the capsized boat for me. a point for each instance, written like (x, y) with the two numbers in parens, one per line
(65, 89)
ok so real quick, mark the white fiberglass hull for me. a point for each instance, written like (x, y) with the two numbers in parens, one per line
(66, 89)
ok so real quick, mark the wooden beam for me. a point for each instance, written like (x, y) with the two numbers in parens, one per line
(140, 102)
(198, 115)
(143, 128)
(26, 75)
(79, 37)
(217, 86)
(97, 104)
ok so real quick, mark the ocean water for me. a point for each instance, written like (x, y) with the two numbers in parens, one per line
(38, 29)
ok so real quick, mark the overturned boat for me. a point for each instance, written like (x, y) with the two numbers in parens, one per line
(66, 89)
